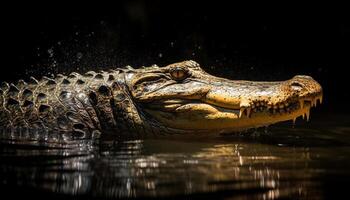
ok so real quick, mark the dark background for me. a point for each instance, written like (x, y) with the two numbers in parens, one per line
(256, 42)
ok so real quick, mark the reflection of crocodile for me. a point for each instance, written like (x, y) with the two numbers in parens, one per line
(178, 98)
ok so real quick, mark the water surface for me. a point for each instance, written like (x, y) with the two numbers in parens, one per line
(309, 161)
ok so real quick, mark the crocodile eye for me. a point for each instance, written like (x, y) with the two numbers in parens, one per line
(178, 73)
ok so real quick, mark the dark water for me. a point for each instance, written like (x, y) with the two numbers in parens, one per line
(309, 161)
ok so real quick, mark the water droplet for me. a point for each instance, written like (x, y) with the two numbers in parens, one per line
(50, 52)
(79, 55)
(160, 55)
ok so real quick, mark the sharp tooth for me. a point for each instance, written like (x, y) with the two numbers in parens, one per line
(248, 112)
(314, 103)
(241, 111)
(294, 120)
(321, 98)
(303, 116)
(301, 102)
(308, 115)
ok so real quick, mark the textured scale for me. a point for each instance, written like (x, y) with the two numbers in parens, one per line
(79, 103)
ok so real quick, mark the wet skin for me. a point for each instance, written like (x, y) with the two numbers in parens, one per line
(178, 98)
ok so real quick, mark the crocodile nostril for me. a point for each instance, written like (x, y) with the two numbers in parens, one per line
(296, 86)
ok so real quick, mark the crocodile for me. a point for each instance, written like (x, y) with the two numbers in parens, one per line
(178, 98)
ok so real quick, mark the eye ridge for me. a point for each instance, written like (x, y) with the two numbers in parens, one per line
(179, 73)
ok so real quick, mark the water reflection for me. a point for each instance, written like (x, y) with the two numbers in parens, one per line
(159, 168)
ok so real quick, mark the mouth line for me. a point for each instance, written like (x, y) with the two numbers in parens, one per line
(287, 108)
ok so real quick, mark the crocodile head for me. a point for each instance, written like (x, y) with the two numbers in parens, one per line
(182, 96)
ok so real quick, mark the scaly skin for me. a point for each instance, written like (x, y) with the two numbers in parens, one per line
(178, 98)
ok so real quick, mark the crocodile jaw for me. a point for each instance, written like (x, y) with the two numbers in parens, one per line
(225, 109)
(204, 117)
